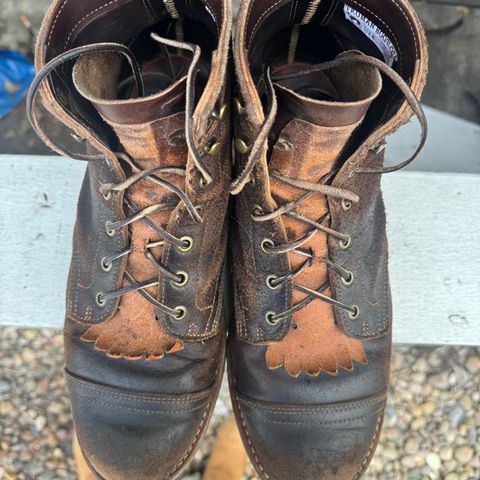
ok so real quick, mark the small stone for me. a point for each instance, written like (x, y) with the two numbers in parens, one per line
(418, 424)
(466, 402)
(473, 365)
(4, 386)
(464, 454)
(28, 355)
(433, 461)
(428, 408)
(446, 453)
(40, 423)
(451, 476)
(390, 453)
(456, 416)
(409, 462)
(412, 445)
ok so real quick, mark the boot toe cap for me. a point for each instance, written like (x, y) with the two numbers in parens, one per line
(137, 436)
(325, 442)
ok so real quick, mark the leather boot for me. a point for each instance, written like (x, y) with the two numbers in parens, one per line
(320, 86)
(144, 86)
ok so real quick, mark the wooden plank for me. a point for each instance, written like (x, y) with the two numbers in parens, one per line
(433, 229)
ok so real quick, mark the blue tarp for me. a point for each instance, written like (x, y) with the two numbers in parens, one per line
(16, 74)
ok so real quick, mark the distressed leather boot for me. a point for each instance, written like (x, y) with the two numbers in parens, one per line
(320, 86)
(143, 85)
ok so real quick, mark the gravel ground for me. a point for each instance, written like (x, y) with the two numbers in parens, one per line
(432, 429)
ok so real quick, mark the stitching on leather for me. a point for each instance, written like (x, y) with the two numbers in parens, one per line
(139, 397)
(195, 440)
(214, 16)
(411, 27)
(328, 423)
(85, 17)
(387, 27)
(54, 23)
(327, 409)
(139, 410)
(362, 467)
(252, 448)
(264, 14)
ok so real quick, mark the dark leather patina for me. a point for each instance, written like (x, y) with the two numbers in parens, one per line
(314, 424)
(140, 418)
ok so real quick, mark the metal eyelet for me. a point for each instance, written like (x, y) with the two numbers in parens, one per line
(241, 109)
(270, 318)
(219, 115)
(242, 146)
(212, 148)
(266, 242)
(107, 195)
(199, 209)
(203, 183)
(182, 313)
(183, 281)
(345, 244)
(348, 282)
(346, 205)
(270, 284)
(257, 211)
(106, 266)
(188, 244)
(355, 314)
(110, 232)
(252, 181)
(101, 303)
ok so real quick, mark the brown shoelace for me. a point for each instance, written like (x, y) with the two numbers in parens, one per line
(348, 198)
(153, 175)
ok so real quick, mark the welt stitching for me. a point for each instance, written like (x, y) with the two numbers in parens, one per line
(54, 23)
(195, 439)
(138, 410)
(252, 448)
(410, 24)
(370, 450)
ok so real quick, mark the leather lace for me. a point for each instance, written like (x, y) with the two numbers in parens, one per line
(153, 175)
(323, 187)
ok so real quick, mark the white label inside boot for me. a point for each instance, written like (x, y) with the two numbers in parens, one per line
(374, 33)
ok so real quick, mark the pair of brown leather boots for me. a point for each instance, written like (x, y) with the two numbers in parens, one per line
(146, 87)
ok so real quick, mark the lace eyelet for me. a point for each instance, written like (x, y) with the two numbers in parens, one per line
(345, 244)
(98, 299)
(183, 281)
(266, 242)
(199, 209)
(188, 244)
(355, 314)
(270, 284)
(252, 182)
(348, 282)
(242, 146)
(213, 148)
(241, 110)
(270, 319)
(110, 232)
(346, 205)
(182, 313)
(203, 183)
(219, 115)
(107, 195)
(257, 211)
(106, 266)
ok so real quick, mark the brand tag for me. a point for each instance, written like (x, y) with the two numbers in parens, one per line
(374, 33)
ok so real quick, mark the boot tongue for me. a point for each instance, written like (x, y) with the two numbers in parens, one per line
(319, 113)
(136, 121)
